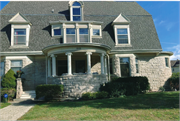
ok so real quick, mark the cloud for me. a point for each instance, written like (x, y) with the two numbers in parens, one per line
(176, 52)
(161, 22)
(169, 25)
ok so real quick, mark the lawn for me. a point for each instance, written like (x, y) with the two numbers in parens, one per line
(4, 105)
(150, 106)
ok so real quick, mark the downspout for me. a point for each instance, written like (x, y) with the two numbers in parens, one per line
(108, 68)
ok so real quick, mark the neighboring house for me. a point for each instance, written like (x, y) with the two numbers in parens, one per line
(175, 66)
(81, 44)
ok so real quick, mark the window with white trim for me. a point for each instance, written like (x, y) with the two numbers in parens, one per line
(83, 35)
(19, 36)
(16, 65)
(70, 35)
(122, 35)
(96, 32)
(57, 32)
(76, 11)
(137, 66)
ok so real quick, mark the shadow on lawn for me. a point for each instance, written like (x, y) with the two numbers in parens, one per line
(162, 100)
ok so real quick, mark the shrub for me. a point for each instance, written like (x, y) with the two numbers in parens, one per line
(161, 89)
(10, 91)
(126, 86)
(9, 80)
(48, 90)
(94, 95)
(174, 81)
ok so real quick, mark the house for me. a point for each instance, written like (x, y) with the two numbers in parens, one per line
(175, 66)
(81, 44)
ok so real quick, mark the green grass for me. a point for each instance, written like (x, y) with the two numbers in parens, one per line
(150, 106)
(4, 105)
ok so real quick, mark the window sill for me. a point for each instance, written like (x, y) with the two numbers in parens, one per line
(125, 45)
(18, 46)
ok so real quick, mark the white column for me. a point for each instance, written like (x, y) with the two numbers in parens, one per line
(69, 63)
(102, 63)
(53, 65)
(49, 66)
(105, 65)
(90, 33)
(88, 62)
(64, 33)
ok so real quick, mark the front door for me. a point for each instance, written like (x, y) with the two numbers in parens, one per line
(80, 66)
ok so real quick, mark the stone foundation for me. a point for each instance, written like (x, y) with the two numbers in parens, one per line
(75, 85)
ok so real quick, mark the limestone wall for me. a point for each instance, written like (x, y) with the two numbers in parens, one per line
(34, 68)
(75, 85)
(150, 65)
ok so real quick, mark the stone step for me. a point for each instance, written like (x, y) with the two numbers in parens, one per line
(27, 97)
(29, 92)
(19, 100)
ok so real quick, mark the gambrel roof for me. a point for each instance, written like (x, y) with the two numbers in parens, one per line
(142, 30)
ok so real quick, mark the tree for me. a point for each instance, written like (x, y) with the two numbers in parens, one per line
(9, 80)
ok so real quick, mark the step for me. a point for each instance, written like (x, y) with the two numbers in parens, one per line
(29, 92)
(27, 97)
(24, 99)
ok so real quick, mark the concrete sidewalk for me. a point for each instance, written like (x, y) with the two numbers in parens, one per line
(16, 110)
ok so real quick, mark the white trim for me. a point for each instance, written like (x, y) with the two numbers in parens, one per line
(21, 53)
(115, 34)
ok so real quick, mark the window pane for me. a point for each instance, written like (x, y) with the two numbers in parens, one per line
(19, 40)
(70, 31)
(166, 60)
(19, 31)
(122, 37)
(83, 38)
(125, 71)
(76, 11)
(76, 18)
(122, 41)
(121, 31)
(15, 69)
(57, 31)
(83, 31)
(70, 38)
(16, 63)
(76, 4)
(96, 32)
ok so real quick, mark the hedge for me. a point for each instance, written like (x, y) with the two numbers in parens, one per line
(125, 86)
(174, 81)
(9, 80)
(48, 90)
(94, 95)
(10, 91)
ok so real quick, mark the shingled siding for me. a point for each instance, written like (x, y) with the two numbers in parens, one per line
(34, 68)
(153, 67)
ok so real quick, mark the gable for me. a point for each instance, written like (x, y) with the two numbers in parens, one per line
(19, 18)
(121, 19)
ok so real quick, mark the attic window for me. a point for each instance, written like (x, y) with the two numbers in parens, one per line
(76, 11)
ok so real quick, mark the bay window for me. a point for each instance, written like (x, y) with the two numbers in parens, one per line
(70, 35)
(83, 35)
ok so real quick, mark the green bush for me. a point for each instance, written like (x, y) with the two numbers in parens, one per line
(48, 90)
(174, 81)
(9, 80)
(126, 86)
(94, 95)
(10, 91)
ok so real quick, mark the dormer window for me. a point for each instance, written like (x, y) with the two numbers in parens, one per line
(19, 36)
(76, 11)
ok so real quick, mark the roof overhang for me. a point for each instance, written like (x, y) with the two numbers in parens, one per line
(21, 53)
(135, 51)
(58, 46)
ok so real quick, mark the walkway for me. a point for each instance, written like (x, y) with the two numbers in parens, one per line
(16, 110)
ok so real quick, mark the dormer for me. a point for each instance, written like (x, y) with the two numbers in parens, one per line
(20, 29)
(122, 31)
(76, 10)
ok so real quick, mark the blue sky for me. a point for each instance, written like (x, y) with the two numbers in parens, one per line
(166, 18)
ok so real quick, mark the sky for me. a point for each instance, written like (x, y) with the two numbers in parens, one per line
(166, 19)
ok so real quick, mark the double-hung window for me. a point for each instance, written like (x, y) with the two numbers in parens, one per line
(83, 35)
(70, 35)
(122, 35)
(76, 11)
(19, 36)
(16, 65)
(124, 65)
